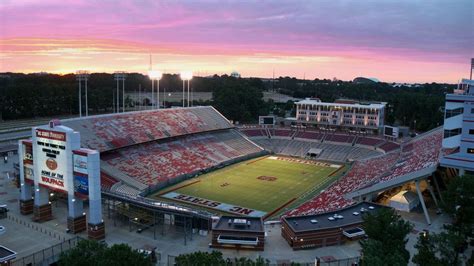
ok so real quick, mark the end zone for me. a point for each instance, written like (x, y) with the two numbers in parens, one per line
(220, 206)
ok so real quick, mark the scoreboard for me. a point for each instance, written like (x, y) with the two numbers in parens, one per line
(266, 120)
(392, 132)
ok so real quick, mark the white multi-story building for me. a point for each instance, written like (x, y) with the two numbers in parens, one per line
(342, 113)
(459, 128)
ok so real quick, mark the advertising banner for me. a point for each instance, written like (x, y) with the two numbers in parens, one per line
(81, 185)
(80, 163)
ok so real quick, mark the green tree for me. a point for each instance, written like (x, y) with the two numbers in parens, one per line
(123, 255)
(238, 100)
(85, 253)
(426, 255)
(387, 237)
(200, 258)
(449, 244)
(446, 246)
(459, 202)
(92, 253)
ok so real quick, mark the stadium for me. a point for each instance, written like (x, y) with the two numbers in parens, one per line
(189, 170)
(195, 159)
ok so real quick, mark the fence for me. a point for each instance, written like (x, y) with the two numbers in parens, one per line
(47, 256)
(38, 227)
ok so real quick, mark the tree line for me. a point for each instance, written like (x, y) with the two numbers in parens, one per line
(240, 99)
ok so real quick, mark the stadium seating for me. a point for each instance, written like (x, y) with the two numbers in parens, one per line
(420, 153)
(108, 132)
(339, 138)
(331, 152)
(106, 181)
(254, 132)
(281, 133)
(309, 135)
(154, 162)
(362, 174)
(369, 141)
(125, 189)
(389, 146)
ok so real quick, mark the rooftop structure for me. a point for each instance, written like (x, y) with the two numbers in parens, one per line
(330, 228)
(240, 233)
(342, 113)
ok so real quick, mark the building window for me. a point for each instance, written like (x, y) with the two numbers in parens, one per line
(471, 131)
(452, 132)
(454, 112)
(470, 150)
(472, 110)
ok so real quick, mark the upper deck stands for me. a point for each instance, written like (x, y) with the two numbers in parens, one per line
(281, 133)
(108, 132)
(369, 141)
(422, 152)
(309, 135)
(339, 138)
(254, 132)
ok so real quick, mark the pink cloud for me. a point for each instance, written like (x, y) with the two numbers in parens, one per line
(364, 36)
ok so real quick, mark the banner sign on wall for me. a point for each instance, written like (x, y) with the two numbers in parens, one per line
(81, 185)
(80, 163)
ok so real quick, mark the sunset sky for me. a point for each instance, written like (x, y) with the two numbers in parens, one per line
(394, 41)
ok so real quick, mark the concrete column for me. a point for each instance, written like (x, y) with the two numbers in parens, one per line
(435, 180)
(25, 191)
(427, 216)
(96, 226)
(25, 188)
(430, 188)
(95, 200)
(74, 207)
(41, 196)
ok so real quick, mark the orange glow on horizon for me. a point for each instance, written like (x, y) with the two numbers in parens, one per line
(62, 56)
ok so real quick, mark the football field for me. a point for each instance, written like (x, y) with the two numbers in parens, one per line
(260, 187)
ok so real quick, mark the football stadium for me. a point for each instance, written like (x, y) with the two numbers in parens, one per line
(196, 160)
(236, 133)
(190, 171)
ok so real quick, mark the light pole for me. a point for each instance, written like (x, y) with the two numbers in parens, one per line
(189, 80)
(164, 97)
(120, 76)
(186, 76)
(184, 85)
(82, 75)
(155, 75)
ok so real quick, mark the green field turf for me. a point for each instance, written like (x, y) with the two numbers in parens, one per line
(239, 184)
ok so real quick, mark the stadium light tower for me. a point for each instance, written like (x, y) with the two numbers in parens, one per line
(155, 75)
(82, 75)
(186, 76)
(120, 76)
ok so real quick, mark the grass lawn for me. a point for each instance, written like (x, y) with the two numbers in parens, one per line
(264, 184)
